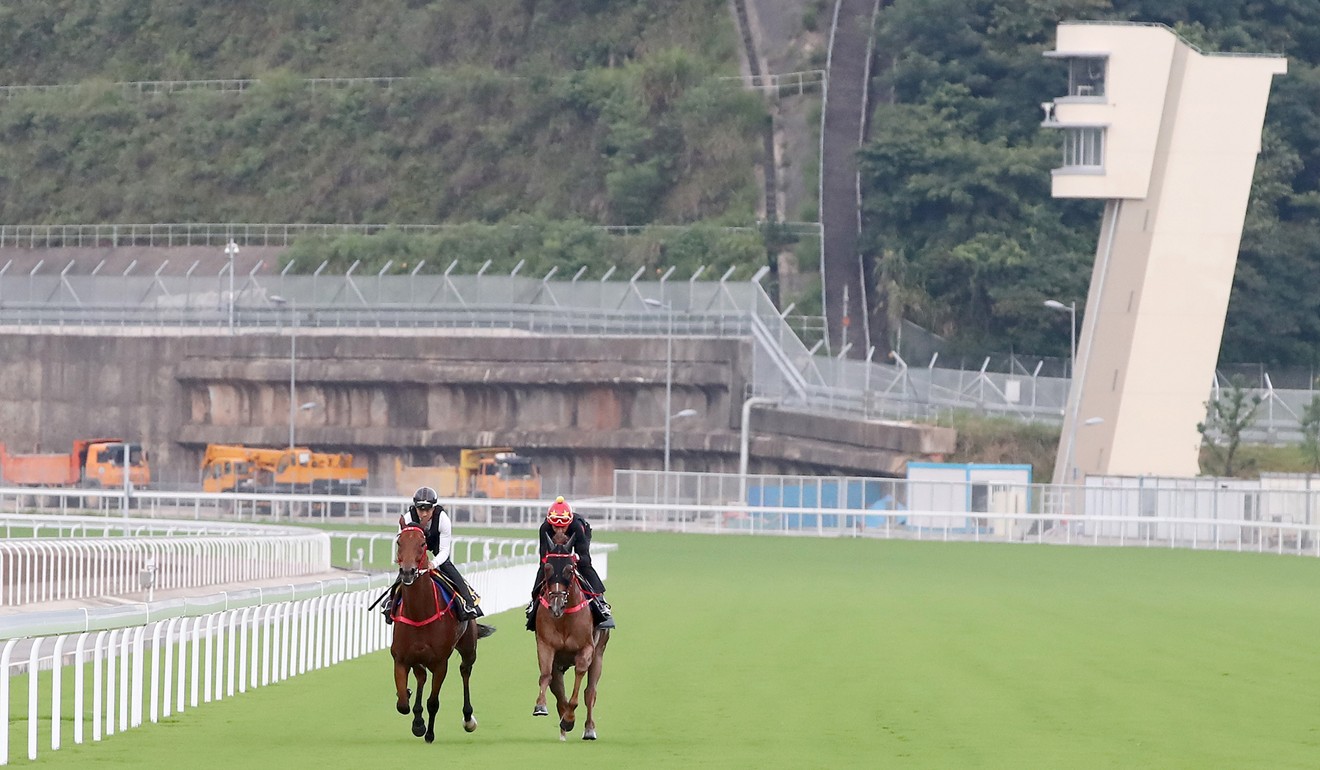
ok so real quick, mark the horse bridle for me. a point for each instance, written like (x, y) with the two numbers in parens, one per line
(408, 574)
(562, 595)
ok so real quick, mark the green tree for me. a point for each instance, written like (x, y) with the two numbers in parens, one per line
(1310, 423)
(1227, 417)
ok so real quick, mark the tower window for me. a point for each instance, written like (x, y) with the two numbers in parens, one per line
(1086, 77)
(1083, 147)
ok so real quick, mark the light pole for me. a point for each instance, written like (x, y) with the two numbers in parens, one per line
(303, 407)
(231, 251)
(669, 374)
(128, 484)
(1071, 307)
(294, 406)
(681, 414)
(1065, 475)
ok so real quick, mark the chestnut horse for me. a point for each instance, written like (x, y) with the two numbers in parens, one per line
(426, 633)
(566, 636)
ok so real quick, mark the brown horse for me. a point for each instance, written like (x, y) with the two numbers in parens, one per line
(566, 636)
(426, 633)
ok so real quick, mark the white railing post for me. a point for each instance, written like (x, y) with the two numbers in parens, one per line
(34, 680)
(4, 697)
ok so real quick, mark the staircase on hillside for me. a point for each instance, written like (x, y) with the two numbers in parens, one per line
(842, 273)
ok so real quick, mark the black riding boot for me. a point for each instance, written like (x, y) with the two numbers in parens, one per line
(600, 613)
(388, 608)
(531, 606)
(468, 609)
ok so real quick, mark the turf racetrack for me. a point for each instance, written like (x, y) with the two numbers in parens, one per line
(740, 652)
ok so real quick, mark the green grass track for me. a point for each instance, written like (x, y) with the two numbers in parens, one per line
(739, 652)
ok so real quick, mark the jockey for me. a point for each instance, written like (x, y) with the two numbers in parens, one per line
(429, 516)
(560, 519)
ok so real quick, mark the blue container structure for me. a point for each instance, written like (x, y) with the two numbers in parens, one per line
(856, 494)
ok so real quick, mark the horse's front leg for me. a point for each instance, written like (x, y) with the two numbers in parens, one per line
(401, 687)
(418, 726)
(561, 698)
(568, 714)
(601, 639)
(468, 654)
(545, 658)
(433, 702)
(589, 697)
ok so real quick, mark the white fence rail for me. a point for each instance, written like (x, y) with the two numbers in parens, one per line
(465, 549)
(191, 652)
(44, 569)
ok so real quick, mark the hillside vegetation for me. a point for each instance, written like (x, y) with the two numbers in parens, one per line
(611, 112)
(69, 41)
(633, 145)
(956, 177)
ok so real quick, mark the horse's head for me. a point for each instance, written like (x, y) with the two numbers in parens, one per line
(410, 553)
(560, 573)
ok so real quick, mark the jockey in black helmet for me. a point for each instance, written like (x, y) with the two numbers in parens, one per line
(560, 519)
(427, 514)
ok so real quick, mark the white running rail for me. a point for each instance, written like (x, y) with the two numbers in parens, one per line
(43, 569)
(120, 669)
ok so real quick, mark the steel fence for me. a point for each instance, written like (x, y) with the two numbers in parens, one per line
(783, 366)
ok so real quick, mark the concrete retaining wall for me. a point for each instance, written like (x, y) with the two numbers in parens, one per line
(581, 406)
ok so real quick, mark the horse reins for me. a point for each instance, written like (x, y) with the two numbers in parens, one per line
(439, 610)
(435, 589)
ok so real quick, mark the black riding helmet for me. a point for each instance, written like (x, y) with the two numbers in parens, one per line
(424, 496)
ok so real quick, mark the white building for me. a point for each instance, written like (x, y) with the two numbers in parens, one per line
(1168, 136)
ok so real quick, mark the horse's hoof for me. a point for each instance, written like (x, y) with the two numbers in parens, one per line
(562, 736)
(540, 711)
(588, 735)
(419, 730)
(470, 725)
(430, 737)
(565, 726)
(402, 707)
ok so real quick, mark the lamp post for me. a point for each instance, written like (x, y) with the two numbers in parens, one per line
(1071, 307)
(303, 407)
(669, 418)
(294, 406)
(231, 251)
(1066, 476)
(669, 371)
(128, 484)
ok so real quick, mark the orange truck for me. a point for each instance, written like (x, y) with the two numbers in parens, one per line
(238, 468)
(490, 472)
(93, 462)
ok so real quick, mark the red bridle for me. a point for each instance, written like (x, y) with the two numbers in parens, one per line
(421, 560)
(422, 566)
(567, 610)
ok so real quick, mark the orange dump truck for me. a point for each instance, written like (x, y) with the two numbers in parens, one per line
(238, 468)
(490, 472)
(93, 462)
